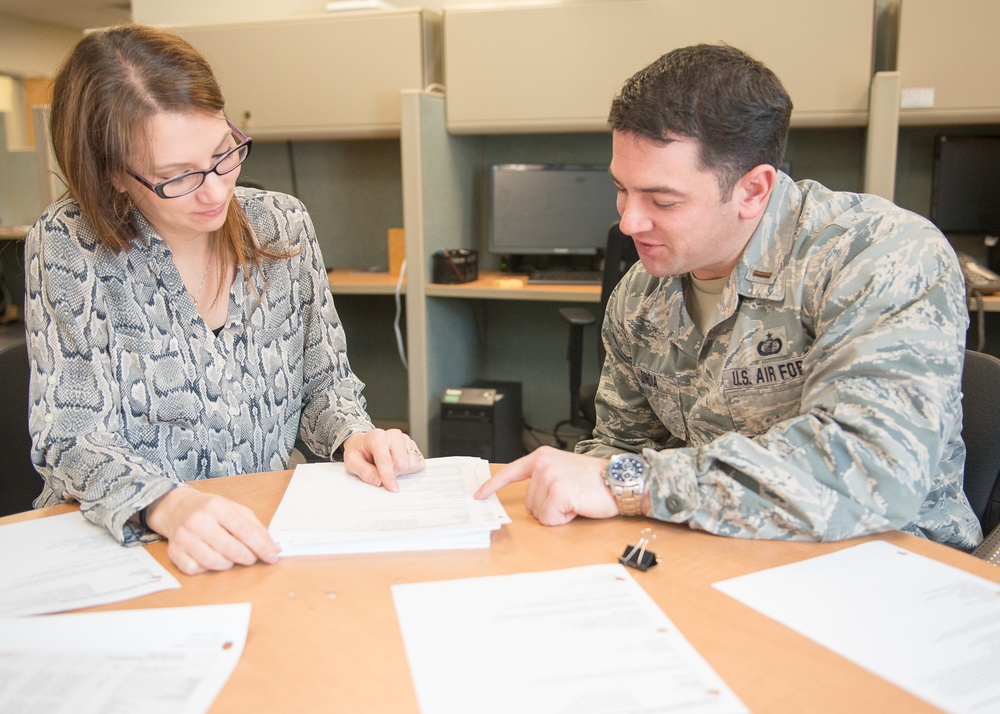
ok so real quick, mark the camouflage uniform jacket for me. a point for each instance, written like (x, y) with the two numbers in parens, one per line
(131, 393)
(826, 402)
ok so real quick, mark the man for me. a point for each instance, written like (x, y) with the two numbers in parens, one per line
(786, 361)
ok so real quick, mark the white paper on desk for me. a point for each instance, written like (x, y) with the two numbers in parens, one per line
(66, 562)
(172, 660)
(326, 510)
(585, 639)
(927, 627)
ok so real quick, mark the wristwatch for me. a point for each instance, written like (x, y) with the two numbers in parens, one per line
(626, 476)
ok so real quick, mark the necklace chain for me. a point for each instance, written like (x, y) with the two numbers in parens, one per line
(197, 293)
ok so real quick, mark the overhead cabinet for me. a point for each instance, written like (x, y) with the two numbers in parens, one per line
(948, 61)
(556, 67)
(325, 76)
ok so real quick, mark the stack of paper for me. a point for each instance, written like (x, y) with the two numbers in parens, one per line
(325, 510)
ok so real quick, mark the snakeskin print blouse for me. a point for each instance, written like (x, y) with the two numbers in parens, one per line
(132, 394)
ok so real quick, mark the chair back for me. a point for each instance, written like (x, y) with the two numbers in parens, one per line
(619, 255)
(20, 483)
(981, 433)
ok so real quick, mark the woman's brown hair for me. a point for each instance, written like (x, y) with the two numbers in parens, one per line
(104, 95)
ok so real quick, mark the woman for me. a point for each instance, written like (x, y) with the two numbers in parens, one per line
(179, 328)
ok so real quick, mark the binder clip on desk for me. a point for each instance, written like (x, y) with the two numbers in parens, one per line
(637, 556)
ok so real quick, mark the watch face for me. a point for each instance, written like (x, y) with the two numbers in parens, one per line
(624, 469)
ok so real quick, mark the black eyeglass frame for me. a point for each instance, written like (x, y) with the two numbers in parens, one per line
(157, 188)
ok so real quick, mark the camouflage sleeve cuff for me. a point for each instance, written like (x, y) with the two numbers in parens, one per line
(673, 485)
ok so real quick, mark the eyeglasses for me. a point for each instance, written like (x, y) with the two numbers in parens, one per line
(192, 180)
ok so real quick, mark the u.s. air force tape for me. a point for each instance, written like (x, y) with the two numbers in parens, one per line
(762, 375)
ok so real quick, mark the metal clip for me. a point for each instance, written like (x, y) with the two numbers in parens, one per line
(636, 556)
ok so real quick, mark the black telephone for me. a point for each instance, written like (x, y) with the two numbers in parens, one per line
(978, 278)
(979, 281)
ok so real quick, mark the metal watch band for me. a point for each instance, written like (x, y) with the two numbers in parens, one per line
(629, 503)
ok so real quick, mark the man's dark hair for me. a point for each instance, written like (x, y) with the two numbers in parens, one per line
(732, 104)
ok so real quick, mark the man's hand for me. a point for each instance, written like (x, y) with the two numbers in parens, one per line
(563, 486)
(378, 457)
(208, 532)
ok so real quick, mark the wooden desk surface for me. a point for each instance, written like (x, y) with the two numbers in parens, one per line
(13, 232)
(362, 282)
(494, 285)
(324, 635)
(991, 303)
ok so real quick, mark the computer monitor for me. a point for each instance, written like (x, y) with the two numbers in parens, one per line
(965, 188)
(549, 209)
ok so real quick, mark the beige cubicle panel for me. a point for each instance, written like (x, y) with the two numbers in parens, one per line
(556, 67)
(324, 76)
(948, 61)
(882, 141)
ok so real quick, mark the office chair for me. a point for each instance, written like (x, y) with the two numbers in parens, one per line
(20, 484)
(619, 256)
(981, 433)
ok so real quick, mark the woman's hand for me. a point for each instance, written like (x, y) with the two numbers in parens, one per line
(208, 532)
(378, 457)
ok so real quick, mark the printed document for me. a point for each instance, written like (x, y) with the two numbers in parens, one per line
(66, 562)
(927, 627)
(155, 661)
(326, 510)
(585, 639)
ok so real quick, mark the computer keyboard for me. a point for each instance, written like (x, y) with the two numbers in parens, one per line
(562, 276)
